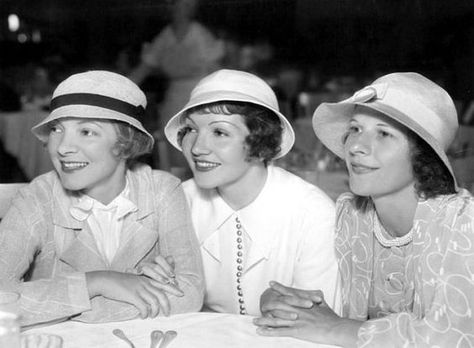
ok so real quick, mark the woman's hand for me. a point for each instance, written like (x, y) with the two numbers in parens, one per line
(146, 294)
(279, 300)
(162, 271)
(304, 315)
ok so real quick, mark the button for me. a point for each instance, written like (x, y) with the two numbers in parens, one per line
(239, 260)
(242, 307)
(240, 268)
(239, 287)
(239, 253)
(239, 274)
(239, 226)
(241, 300)
(239, 246)
(240, 293)
(239, 240)
(238, 280)
(237, 219)
(242, 312)
(239, 232)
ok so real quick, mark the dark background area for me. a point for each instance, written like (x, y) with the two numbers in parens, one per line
(435, 37)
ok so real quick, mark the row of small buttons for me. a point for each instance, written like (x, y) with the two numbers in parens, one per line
(240, 268)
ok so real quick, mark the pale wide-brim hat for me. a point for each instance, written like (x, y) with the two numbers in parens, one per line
(232, 85)
(96, 94)
(408, 98)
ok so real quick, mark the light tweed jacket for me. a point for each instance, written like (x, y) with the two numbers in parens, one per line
(39, 231)
(443, 275)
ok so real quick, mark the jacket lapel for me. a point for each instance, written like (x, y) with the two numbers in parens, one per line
(75, 244)
(139, 233)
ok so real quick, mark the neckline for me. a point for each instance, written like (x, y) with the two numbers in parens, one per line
(384, 237)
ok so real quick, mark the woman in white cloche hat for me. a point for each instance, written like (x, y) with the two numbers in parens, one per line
(404, 236)
(255, 222)
(82, 241)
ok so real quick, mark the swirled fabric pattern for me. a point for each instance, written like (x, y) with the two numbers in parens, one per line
(419, 295)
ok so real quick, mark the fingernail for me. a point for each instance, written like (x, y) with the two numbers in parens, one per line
(294, 316)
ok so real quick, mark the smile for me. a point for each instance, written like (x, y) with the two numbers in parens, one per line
(70, 166)
(205, 166)
(361, 169)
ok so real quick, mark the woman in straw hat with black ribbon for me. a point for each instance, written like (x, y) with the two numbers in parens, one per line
(404, 237)
(91, 232)
(255, 222)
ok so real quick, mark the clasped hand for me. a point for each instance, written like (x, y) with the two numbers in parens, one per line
(297, 313)
(146, 287)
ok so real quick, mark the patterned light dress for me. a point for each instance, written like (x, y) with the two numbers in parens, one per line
(417, 295)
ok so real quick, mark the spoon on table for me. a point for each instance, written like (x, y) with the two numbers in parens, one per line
(119, 333)
(167, 338)
(156, 337)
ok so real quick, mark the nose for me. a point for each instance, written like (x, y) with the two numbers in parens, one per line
(200, 145)
(360, 144)
(66, 145)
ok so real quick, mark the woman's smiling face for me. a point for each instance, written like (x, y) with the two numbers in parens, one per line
(84, 156)
(215, 149)
(377, 153)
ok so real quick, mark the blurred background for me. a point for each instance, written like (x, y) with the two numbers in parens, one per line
(308, 50)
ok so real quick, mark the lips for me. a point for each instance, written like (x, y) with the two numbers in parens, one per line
(358, 168)
(205, 166)
(71, 166)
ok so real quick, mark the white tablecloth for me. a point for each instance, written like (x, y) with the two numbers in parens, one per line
(18, 141)
(195, 330)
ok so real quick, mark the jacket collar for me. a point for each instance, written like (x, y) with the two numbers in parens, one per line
(140, 187)
(256, 218)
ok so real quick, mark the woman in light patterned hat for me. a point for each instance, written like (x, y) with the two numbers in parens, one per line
(255, 222)
(90, 233)
(404, 237)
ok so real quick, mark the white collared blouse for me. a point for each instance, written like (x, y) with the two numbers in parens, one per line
(286, 234)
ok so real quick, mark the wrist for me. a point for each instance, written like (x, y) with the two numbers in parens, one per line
(95, 280)
(346, 332)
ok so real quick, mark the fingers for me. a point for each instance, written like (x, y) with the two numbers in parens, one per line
(168, 287)
(315, 296)
(161, 299)
(151, 303)
(273, 322)
(276, 331)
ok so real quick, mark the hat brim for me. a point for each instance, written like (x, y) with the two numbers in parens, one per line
(174, 124)
(41, 130)
(330, 124)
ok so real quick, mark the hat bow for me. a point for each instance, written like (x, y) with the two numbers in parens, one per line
(376, 91)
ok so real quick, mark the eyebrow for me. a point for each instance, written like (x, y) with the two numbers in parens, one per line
(97, 123)
(223, 121)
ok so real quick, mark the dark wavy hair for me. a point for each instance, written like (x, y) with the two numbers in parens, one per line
(432, 177)
(264, 126)
(131, 143)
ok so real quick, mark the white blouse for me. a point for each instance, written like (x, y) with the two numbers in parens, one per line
(286, 234)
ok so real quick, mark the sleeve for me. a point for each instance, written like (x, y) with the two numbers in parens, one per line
(448, 318)
(179, 240)
(316, 265)
(22, 240)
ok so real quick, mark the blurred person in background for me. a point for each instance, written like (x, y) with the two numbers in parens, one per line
(184, 51)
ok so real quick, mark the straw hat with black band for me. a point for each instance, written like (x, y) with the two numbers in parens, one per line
(96, 94)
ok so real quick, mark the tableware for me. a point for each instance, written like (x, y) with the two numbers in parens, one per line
(167, 338)
(9, 326)
(41, 341)
(120, 334)
(155, 336)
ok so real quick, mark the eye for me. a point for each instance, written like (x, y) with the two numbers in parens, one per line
(384, 134)
(87, 132)
(54, 128)
(220, 133)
